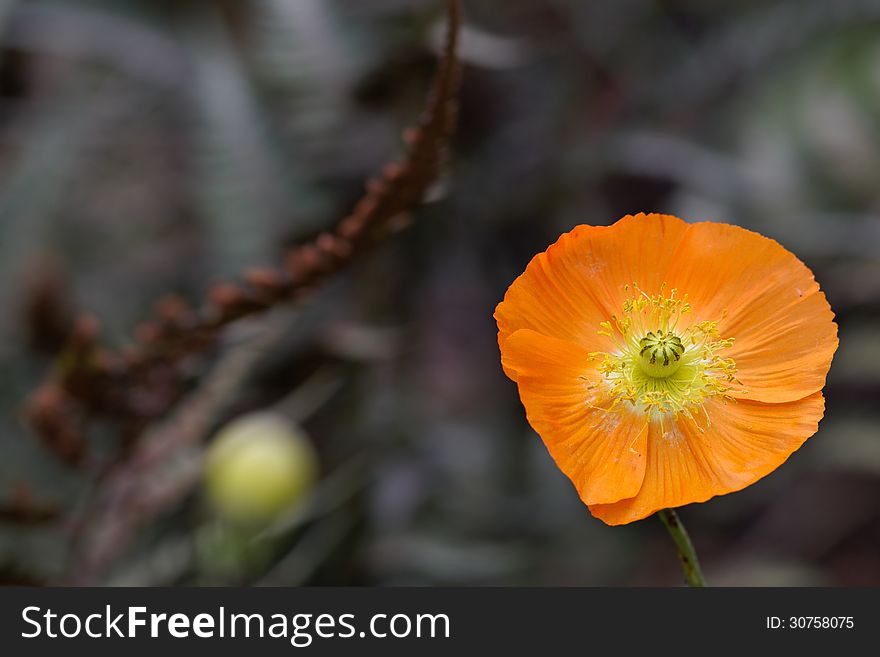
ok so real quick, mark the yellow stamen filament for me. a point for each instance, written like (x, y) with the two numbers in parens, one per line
(657, 367)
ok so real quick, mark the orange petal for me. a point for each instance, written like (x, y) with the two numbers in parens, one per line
(742, 442)
(578, 282)
(603, 453)
(782, 325)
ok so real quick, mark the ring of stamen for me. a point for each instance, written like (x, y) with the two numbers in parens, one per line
(658, 367)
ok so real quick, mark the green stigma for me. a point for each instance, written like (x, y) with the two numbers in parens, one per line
(660, 353)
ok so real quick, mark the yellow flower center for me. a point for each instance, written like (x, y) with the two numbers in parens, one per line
(658, 367)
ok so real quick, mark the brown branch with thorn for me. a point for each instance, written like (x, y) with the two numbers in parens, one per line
(138, 385)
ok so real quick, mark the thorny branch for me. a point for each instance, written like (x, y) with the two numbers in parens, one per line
(138, 385)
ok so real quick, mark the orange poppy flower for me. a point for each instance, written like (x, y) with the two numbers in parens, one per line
(664, 363)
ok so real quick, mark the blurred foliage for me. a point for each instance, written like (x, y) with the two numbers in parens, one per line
(152, 146)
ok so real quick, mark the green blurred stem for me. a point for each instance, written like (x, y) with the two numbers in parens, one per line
(686, 553)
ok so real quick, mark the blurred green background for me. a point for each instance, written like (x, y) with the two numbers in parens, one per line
(153, 146)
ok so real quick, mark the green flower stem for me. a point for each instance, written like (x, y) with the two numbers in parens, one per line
(689, 562)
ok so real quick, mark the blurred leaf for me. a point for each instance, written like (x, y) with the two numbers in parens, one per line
(240, 184)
